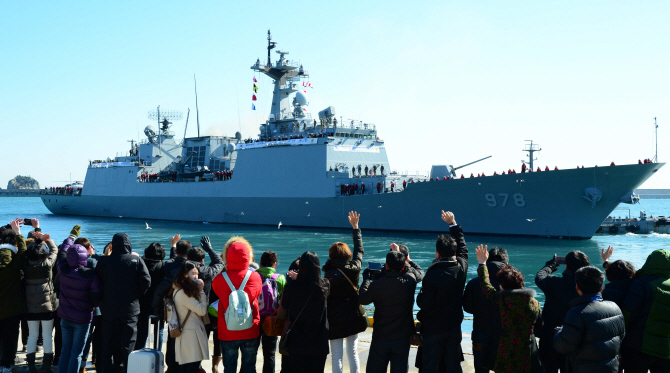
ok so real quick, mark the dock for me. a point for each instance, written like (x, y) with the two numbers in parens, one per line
(363, 350)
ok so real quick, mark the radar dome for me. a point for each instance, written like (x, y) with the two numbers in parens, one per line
(150, 131)
(238, 135)
(301, 98)
(231, 147)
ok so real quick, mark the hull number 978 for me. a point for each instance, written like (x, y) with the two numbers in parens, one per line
(503, 199)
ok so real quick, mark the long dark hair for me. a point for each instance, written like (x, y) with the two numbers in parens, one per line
(182, 282)
(309, 272)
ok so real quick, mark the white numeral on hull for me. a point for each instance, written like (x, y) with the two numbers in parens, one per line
(492, 201)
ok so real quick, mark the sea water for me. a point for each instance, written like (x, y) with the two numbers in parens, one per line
(527, 254)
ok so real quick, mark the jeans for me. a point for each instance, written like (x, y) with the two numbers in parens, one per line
(33, 335)
(118, 341)
(249, 348)
(9, 340)
(444, 347)
(269, 350)
(336, 349)
(74, 339)
(382, 353)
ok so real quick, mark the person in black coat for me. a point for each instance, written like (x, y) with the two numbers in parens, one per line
(304, 303)
(178, 255)
(558, 292)
(620, 274)
(393, 296)
(486, 329)
(153, 259)
(410, 266)
(206, 273)
(593, 329)
(441, 301)
(344, 316)
(125, 278)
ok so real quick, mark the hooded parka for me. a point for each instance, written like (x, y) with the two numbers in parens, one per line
(647, 307)
(39, 287)
(80, 289)
(237, 265)
(124, 278)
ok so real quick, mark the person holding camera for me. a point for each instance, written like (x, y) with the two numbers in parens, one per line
(344, 317)
(558, 292)
(393, 297)
(441, 301)
(410, 266)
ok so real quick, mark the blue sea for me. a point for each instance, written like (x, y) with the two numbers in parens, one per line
(527, 254)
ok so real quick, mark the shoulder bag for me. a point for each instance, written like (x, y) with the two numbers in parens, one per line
(283, 343)
(361, 309)
(176, 328)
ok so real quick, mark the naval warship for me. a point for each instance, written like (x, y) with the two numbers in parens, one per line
(309, 172)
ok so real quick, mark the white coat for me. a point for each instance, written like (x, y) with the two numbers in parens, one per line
(191, 345)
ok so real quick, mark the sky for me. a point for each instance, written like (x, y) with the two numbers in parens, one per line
(446, 82)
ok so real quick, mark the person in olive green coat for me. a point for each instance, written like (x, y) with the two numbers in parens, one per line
(645, 309)
(12, 255)
(519, 314)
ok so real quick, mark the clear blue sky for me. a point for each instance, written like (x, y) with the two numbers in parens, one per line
(446, 82)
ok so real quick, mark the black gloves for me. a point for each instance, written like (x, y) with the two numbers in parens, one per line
(552, 264)
(205, 243)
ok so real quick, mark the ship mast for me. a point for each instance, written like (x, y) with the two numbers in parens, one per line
(531, 148)
(656, 136)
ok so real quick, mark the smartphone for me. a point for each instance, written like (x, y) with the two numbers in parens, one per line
(559, 259)
(373, 266)
(28, 222)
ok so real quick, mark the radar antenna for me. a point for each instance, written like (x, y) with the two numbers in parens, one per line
(165, 117)
(531, 148)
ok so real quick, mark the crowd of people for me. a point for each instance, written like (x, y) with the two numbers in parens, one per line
(76, 302)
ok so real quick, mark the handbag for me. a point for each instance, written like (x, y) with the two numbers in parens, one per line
(361, 309)
(176, 328)
(283, 343)
(273, 326)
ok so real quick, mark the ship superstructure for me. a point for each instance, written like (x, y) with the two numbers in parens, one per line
(310, 171)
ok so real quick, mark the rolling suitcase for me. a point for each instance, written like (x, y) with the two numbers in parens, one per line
(148, 360)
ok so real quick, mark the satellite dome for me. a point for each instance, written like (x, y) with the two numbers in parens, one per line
(150, 131)
(231, 147)
(238, 135)
(301, 98)
(262, 128)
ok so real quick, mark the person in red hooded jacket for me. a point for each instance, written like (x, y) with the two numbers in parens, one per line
(232, 341)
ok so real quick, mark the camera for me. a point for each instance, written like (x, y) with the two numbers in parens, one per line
(559, 259)
(28, 222)
(374, 267)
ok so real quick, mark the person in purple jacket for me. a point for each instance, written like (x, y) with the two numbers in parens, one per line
(80, 292)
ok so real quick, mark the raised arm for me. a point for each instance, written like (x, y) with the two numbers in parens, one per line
(415, 270)
(215, 261)
(173, 245)
(544, 276)
(364, 294)
(483, 272)
(456, 232)
(357, 256)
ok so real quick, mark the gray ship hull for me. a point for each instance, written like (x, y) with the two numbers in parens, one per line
(544, 204)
